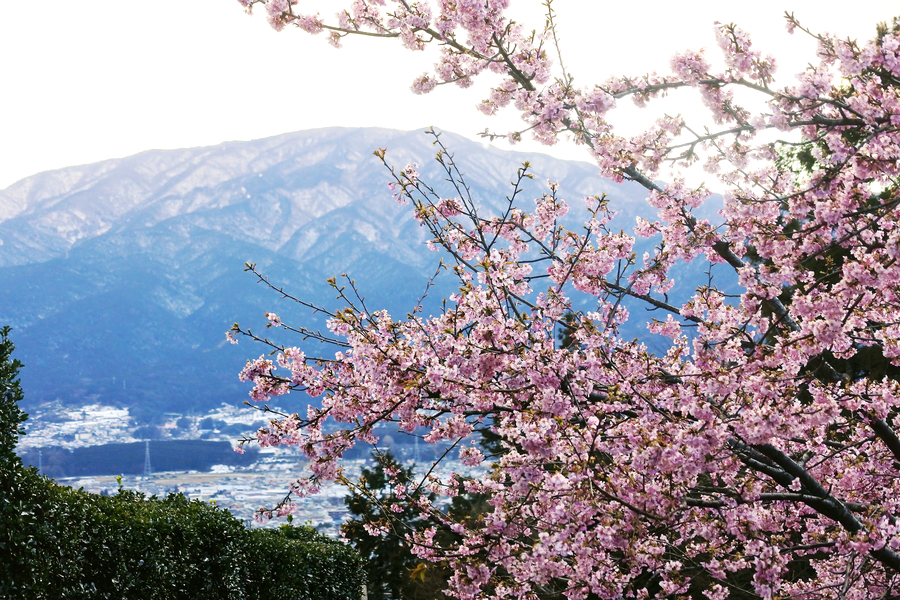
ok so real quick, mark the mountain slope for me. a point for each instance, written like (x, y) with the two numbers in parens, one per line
(120, 278)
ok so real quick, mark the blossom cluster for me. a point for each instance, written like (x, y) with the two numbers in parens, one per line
(760, 449)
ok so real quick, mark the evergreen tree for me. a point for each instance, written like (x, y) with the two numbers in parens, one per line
(11, 416)
(378, 531)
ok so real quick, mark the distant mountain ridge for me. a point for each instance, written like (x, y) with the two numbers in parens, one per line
(121, 277)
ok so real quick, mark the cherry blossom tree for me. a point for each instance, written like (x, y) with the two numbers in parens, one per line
(758, 456)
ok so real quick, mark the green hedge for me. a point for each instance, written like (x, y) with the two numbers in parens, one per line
(300, 564)
(56, 542)
(61, 543)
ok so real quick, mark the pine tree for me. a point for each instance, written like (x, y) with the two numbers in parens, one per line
(11, 416)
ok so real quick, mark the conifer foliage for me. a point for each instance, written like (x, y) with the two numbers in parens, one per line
(11, 416)
(380, 521)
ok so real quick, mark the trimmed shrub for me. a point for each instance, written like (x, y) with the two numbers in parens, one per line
(296, 563)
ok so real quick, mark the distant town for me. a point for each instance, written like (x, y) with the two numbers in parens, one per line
(242, 489)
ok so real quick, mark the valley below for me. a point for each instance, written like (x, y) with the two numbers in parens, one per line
(100, 449)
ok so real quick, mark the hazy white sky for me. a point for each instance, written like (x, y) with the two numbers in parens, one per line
(86, 81)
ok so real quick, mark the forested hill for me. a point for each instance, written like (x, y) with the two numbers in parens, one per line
(121, 277)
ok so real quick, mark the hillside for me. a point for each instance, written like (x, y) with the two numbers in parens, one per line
(121, 277)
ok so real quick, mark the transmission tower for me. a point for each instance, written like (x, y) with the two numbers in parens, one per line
(147, 468)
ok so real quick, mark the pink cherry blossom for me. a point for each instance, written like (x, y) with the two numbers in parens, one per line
(752, 444)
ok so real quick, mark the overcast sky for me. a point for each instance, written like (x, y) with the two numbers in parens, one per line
(86, 81)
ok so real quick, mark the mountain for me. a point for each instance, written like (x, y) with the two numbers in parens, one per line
(121, 277)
